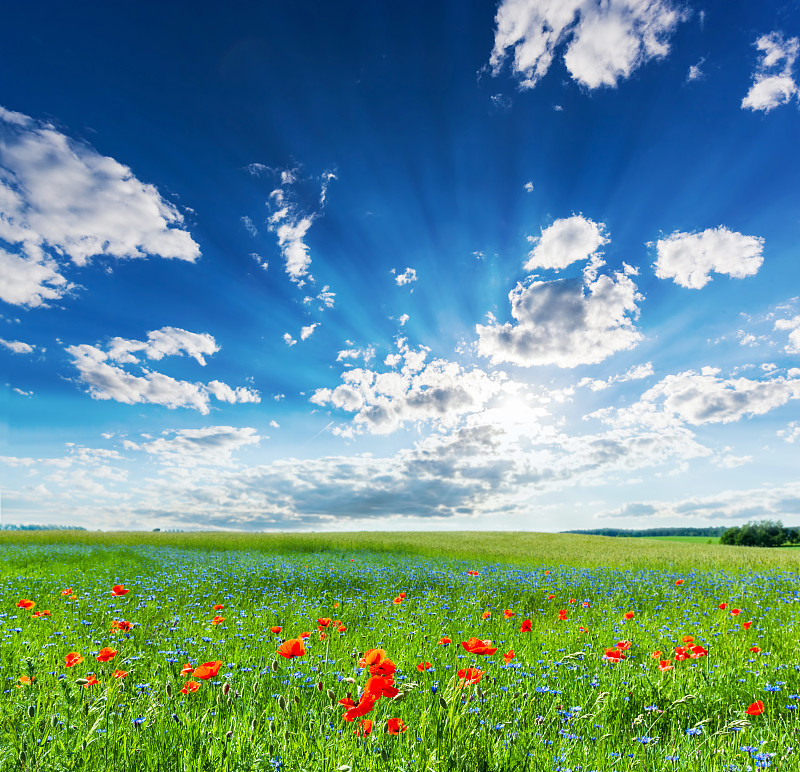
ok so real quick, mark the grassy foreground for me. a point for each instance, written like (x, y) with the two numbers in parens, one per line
(347, 652)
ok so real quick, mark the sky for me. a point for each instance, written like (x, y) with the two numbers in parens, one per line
(512, 265)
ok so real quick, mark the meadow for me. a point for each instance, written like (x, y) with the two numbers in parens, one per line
(475, 652)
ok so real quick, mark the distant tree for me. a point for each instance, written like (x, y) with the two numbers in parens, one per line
(764, 533)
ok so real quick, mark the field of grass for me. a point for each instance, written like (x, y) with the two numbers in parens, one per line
(590, 665)
(689, 539)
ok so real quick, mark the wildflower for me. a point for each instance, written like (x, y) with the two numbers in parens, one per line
(292, 648)
(508, 613)
(526, 626)
(477, 646)
(397, 601)
(755, 649)
(423, 666)
(723, 606)
(91, 680)
(678, 582)
(509, 655)
(622, 645)
(746, 625)
(217, 620)
(207, 670)
(276, 629)
(190, 686)
(120, 625)
(119, 673)
(656, 654)
(695, 652)
(735, 612)
(470, 675)
(24, 681)
(364, 705)
(562, 615)
(550, 597)
(613, 655)
(72, 659)
(218, 607)
(444, 640)
(688, 638)
(26, 604)
(341, 628)
(755, 709)
(486, 614)
(583, 629)
(395, 726)
(628, 615)
(665, 665)
(473, 573)
(68, 591)
(381, 686)
(372, 657)
(43, 613)
(305, 635)
(119, 589)
(364, 728)
(104, 655)
(186, 669)
(323, 623)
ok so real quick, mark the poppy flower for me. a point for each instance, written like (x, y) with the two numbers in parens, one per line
(546, 573)
(381, 686)
(477, 646)
(681, 653)
(218, 607)
(486, 614)
(121, 625)
(755, 709)
(526, 626)
(120, 673)
(72, 659)
(562, 615)
(444, 640)
(91, 680)
(26, 604)
(395, 726)
(276, 629)
(217, 620)
(688, 638)
(186, 669)
(583, 630)
(322, 635)
(755, 649)
(665, 665)
(68, 591)
(571, 600)
(613, 655)
(42, 613)
(473, 573)
(364, 728)
(323, 623)
(190, 686)
(746, 625)
(509, 655)
(372, 657)
(292, 648)
(656, 654)
(365, 705)
(104, 655)
(470, 675)
(695, 652)
(119, 589)
(622, 645)
(735, 612)
(550, 597)
(585, 604)
(24, 681)
(423, 666)
(305, 635)
(678, 582)
(628, 615)
(341, 628)
(508, 613)
(397, 601)
(337, 604)
(207, 670)
(723, 606)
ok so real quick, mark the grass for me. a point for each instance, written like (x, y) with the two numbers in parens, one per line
(581, 692)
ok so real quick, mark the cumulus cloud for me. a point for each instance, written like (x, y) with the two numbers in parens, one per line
(791, 433)
(104, 373)
(704, 398)
(325, 298)
(773, 79)
(209, 446)
(382, 402)
(407, 277)
(307, 332)
(605, 40)
(17, 346)
(291, 216)
(793, 326)
(288, 339)
(61, 201)
(689, 258)
(564, 242)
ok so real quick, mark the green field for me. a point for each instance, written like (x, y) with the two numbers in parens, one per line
(578, 619)
(689, 539)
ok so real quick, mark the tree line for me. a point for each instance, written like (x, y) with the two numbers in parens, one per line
(764, 533)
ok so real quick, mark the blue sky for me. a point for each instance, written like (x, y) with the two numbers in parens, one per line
(469, 265)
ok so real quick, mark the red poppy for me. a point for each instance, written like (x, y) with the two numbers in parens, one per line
(381, 686)
(341, 628)
(292, 648)
(628, 615)
(477, 646)
(585, 604)
(72, 659)
(121, 625)
(562, 615)
(571, 600)
(372, 657)
(656, 654)
(218, 607)
(276, 629)
(509, 655)
(755, 709)
(68, 591)
(444, 640)
(91, 680)
(473, 573)
(681, 653)
(470, 675)
(120, 673)
(678, 582)
(190, 686)
(119, 589)
(397, 601)
(207, 670)
(395, 726)
(106, 654)
(217, 620)
(486, 614)
(622, 645)
(423, 666)
(695, 652)
(583, 630)
(186, 669)
(323, 623)
(526, 626)
(746, 625)
(723, 606)
(26, 604)
(688, 638)
(735, 612)
(43, 613)
(550, 597)
(665, 665)
(305, 635)
(365, 704)
(24, 681)
(364, 728)
(755, 649)
(613, 655)
(508, 613)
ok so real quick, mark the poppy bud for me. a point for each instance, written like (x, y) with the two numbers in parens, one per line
(281, 702)
(297, 699)
(275, 665)
(168, 690)
(399, 697)
(319, 686)
(82, 681)
(331, 695)
(226, 687)
(228, 702)
(384, 754)
(255, 687)
(31, 711)
(442, 702)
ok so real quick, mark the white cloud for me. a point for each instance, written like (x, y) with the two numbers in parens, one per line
(104, 374)
(18, 346)
(528, 186)
(22, 392)
(793, 325)
(773, 80)
(791, 433)
(704, 398)
(60, 200)
(263, 264)
(689, 258)
(249, 225)
(408, 276)
(209, 446)
(325, 298)
(606, 40)
(382, 402)
(403, 319)
(564, 242)
(696, 71)
(307, 332)
(288, 339)
(566, 322)
(635, 373)
(366, 354)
